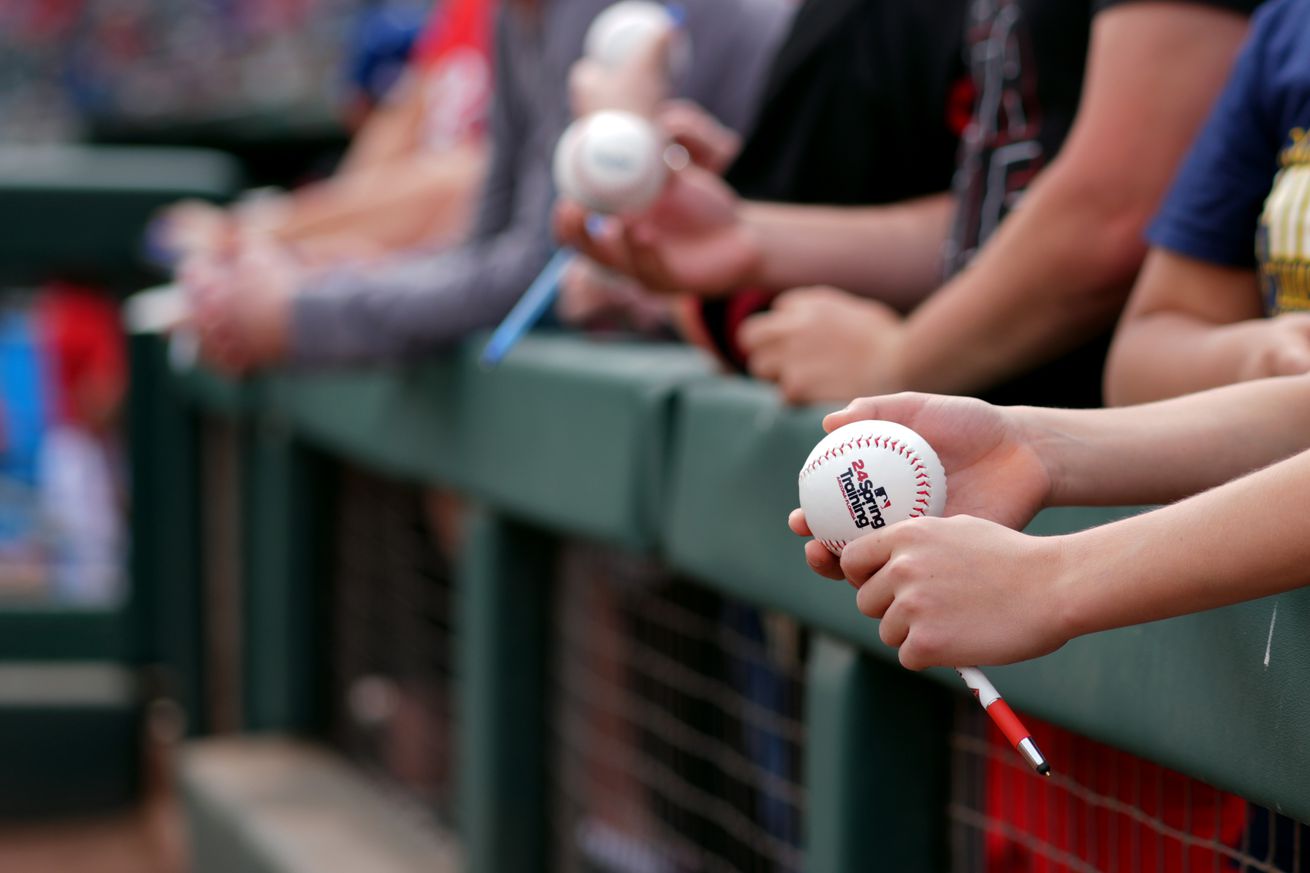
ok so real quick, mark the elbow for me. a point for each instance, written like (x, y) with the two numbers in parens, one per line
(1119, 378)
(1133, 365)
(1105, 225)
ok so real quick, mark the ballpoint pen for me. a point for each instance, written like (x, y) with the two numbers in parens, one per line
(1004, 718)
(534, 303)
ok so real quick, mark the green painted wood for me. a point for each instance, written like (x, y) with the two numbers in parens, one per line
(165, 561)
(566, 433)
(403, 422)
(213, 394)
(54, 634)
(876, 765)
(282, 593)
(503, 610)
(81, 210)
(572, 434)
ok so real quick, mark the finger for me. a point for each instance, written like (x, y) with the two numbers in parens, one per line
(796, 521)
(652, 58)
(710, 144)
(798, 386)
(585, 77)
(913, 655)
(822, 561)
(763, 329)
(648, 264)
(1292, 361)
(893, 629)
(768, 364)
(602, 239)
(900, 408)
(795, 298)
(863, 558)
(569, 221)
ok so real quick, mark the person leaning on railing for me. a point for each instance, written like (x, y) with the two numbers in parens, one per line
(409, 179)
(1225, 294)
(265, 311)
(867, 78)
(1081, 113)
(970, 589)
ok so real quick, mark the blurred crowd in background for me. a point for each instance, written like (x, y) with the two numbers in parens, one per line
(70, 69)
(67, 65)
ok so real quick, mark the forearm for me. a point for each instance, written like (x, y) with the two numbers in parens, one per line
(391, 131)
(408, 307)
(892, 253)
(1216, 549)
(1169, 354)
(409, 202)
(1160, 452)
(1055, 274)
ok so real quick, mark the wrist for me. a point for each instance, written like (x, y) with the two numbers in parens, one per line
(1038, 430)
(754, 228)
(1068, 608)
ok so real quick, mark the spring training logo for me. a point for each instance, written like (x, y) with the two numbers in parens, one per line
(864, 500)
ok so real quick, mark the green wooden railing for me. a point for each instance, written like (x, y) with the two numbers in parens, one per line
(647, 449)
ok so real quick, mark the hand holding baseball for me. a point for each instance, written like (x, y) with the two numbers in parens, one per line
(690, 241)
(991, 460)
(961, 590)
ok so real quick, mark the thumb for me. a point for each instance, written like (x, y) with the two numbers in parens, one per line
(653, 57)
(1292, 360)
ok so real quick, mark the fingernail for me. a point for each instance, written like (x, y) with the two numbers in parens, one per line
(595, 224)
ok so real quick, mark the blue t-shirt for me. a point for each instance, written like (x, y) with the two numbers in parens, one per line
(1242, 197)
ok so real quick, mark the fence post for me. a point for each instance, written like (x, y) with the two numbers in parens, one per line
(165, 600)
(503, 596)
(877, 765)
(281, 594)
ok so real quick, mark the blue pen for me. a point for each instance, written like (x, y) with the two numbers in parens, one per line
(534, 303)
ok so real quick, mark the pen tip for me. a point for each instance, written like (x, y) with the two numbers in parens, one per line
(1044, 769)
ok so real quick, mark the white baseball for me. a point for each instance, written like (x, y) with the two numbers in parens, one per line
(866, 475)
(625, 27)
(611, 162)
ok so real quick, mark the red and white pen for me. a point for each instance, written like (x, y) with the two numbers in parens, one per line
(1004, 718)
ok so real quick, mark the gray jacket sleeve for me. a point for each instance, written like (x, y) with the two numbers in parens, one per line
(415, 303)
(733, 43)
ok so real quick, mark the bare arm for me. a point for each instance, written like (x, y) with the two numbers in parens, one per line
(1171, 562)
(700, 239)
(1005, 463)
(892, 253)
(1164, 451)
(1191, 325)
(1059, 267)
(392, 131)
(967, 591)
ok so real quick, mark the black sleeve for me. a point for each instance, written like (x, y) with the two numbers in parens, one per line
(1245, 7)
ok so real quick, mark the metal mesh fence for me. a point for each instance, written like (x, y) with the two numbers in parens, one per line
(676, 726)
(390, 644)
(1103, 810)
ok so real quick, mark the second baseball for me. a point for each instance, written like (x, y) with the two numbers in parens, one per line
(866, 475)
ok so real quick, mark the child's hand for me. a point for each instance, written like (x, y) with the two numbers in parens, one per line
(960, 590)
(994, 469)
